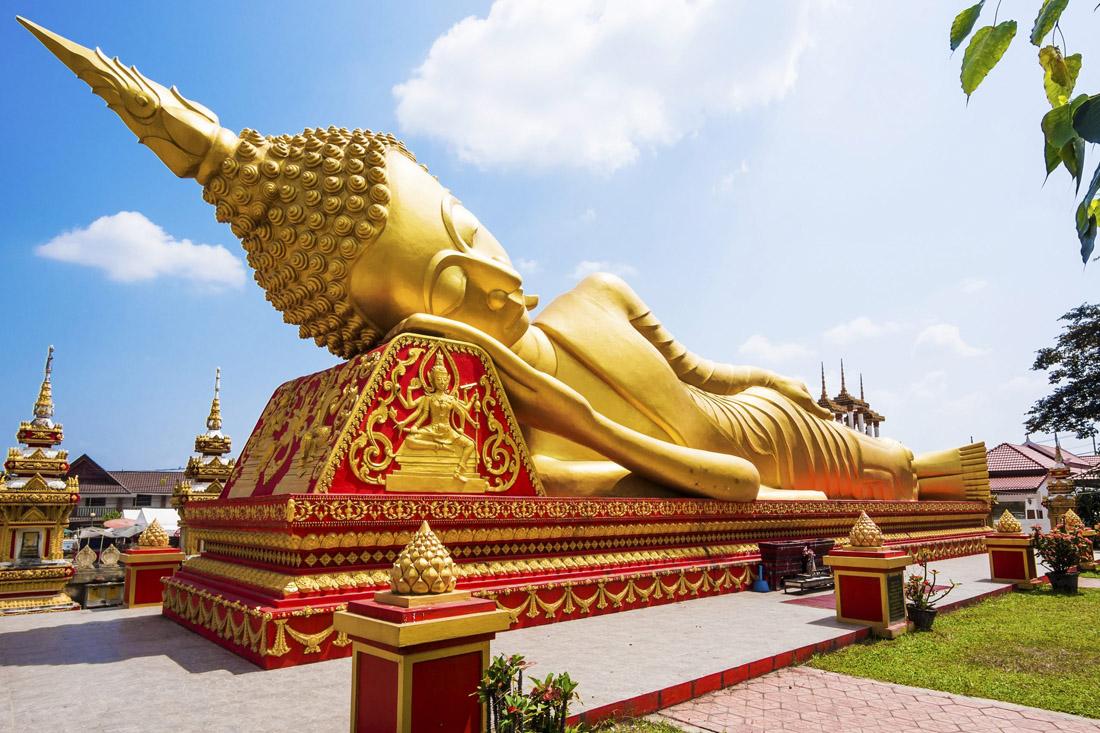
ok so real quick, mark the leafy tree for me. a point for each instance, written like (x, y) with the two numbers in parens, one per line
(113, 514)
(1074, 371)
(1071, 122)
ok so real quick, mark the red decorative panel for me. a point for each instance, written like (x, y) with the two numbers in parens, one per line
(1009, 564)
(441, 697)
(860, 597)
(351, 428)
(377, 694)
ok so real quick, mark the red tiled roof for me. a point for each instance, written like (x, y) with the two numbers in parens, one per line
(100, 488)
(148, 482)
(1015, 483)
(95, 480)
(1029, 459)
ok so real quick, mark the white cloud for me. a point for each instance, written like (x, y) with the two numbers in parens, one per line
(759, 346)
(946, 336)
(933, 384)
(592, 83)
(588, 215)
(527, 267)
(859, 328)
(972, 285)
(129, 248)
(585, 268)
(725, 183)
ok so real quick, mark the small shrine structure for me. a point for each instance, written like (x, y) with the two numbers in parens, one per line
(206, 472)
(849, 410)
(35, 502)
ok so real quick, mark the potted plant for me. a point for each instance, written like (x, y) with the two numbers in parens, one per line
(921, 594)
(1060, 550)
(509, 709)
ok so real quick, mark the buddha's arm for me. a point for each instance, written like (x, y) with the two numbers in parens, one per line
(704, 374)
(543, 402)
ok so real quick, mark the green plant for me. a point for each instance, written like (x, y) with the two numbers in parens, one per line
(113, 514)
(1071, 122)
(509, 709)
(920, 591)
(1061, 548)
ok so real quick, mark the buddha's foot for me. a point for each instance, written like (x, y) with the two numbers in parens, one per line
(953, 475)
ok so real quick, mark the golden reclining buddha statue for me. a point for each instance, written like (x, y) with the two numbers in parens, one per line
(355, 242)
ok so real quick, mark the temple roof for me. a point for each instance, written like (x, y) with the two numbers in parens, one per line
(95, 480)
(1032, 459)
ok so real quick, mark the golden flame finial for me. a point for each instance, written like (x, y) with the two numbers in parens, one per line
(1008, 524)
(1071, 520)
(184, 135)
(43, 407)
(424, 566)
(214, 419)
(865, 533)
(153, 536)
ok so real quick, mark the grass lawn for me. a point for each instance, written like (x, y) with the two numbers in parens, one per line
(1036, 648)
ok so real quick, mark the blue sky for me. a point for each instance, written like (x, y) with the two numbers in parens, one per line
(783, 186)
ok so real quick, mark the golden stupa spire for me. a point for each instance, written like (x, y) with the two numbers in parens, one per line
(843, 387)
(824, 394)
(183, 134)
(214, 419)
(43, 407)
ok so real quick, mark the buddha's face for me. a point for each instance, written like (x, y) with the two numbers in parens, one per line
(435, 257)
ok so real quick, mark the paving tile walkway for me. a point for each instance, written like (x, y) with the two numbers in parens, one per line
(805, 699)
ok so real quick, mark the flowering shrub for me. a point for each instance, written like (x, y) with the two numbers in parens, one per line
(1061, 548)
(510, 710)
(920, 590)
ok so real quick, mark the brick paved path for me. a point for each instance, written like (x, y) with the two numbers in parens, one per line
(805, 699)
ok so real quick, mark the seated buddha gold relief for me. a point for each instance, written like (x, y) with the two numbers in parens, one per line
(355, 242)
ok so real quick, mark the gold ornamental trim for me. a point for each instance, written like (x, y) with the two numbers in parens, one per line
(636, 589)
(29, 604)
(309, 509)
(186, 602)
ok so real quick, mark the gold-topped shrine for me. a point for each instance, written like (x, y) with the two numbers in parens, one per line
(207, 472)
(35, 502)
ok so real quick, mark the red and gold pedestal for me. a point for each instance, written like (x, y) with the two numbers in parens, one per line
(416, 660)
(145, 566)
(1012, 560)
(869, 588)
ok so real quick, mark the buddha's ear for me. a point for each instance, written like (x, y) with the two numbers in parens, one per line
(448, 291)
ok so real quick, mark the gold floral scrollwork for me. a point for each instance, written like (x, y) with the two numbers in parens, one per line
(371, 453)
(497, 460)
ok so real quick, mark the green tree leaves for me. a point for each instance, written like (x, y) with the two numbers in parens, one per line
(986, 48)
(964, 23)
(1071, 121)
(1059, 74)
(1073, 366)
(1086, 119)
(1049, 14)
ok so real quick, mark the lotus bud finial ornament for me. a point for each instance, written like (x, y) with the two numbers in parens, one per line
(424, 566)
(1008, 524)
(865, 533)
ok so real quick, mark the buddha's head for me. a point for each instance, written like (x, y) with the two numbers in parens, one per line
(345, 232)
(349, 236)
